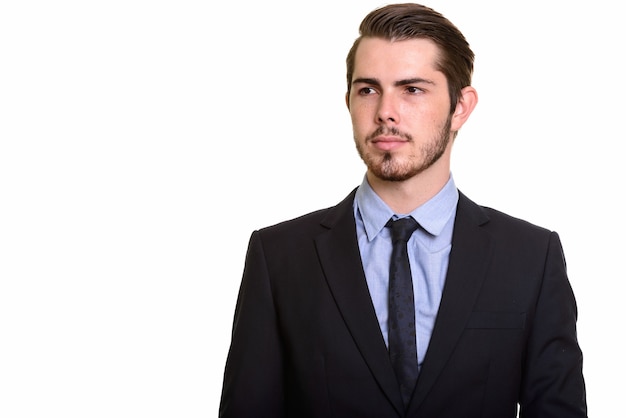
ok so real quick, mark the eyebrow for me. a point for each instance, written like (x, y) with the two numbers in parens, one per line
(376, 82)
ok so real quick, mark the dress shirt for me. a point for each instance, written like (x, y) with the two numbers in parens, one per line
(428, 248)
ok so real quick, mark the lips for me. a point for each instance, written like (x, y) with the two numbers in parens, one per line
(388, 143)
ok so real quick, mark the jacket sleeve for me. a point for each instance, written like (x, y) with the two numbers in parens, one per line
(553, 384)
(253, 377)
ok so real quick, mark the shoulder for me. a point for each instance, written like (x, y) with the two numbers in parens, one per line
(515, 244)
(313, 222)
(501, 225)
(486, 215)
(300, 223)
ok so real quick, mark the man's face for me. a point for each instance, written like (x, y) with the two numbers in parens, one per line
(400, 108)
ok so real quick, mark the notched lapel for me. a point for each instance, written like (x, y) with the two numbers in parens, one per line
(469, 258)
(341, 262)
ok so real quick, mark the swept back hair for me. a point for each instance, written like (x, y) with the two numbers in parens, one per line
(399, 22)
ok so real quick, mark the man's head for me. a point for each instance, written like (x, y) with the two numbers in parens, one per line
(409, 92)
(397, 22)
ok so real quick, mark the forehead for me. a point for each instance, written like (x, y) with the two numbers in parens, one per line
(406, 56)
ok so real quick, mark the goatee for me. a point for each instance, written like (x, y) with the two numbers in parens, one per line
(390, 167)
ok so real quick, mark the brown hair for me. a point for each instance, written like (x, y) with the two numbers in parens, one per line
(398, 22)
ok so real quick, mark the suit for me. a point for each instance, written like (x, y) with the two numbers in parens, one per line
(306, 341)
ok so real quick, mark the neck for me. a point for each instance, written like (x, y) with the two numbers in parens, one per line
(405, 196)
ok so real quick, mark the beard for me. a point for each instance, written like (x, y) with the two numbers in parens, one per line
(393, 168)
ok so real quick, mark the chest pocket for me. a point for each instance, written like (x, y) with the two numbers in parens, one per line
(496, 320)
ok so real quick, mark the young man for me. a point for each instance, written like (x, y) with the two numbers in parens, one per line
(489, 327)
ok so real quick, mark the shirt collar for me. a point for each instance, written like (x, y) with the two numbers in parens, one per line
(432, 215)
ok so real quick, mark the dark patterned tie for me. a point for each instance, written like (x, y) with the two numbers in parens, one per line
(401, 325)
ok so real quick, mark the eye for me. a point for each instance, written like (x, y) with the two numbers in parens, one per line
(414, 90)
(366, 91)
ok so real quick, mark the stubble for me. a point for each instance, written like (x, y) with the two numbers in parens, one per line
(390, 167)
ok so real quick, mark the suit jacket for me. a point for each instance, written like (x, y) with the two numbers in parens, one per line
(306, 341)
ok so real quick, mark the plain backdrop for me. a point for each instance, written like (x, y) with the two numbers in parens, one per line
(141, 142)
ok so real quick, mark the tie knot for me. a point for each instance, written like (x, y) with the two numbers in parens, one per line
(402, 229)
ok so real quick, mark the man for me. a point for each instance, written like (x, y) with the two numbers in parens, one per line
(490, 320)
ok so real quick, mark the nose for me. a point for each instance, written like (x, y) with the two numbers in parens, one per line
(387, 110)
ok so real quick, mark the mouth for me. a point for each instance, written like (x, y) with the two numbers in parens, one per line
(388, 143)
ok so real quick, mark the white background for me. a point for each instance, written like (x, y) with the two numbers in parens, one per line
(141, 142)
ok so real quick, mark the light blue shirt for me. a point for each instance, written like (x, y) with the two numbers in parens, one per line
(429, 250)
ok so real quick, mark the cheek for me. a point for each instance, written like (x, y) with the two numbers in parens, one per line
(358, 117)
(430, 118)
(362, 112)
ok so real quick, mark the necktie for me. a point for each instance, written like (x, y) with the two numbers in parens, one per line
(401, 323)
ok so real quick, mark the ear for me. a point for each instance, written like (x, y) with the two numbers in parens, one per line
(464, 107)
(348, 100)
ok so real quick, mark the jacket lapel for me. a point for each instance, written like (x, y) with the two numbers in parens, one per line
(469, 258)
(341, 261)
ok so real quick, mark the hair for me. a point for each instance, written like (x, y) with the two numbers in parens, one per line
(399, 22)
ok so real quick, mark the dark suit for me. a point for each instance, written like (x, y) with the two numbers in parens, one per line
(306, 341)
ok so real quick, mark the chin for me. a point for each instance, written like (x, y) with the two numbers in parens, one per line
(391, 171)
